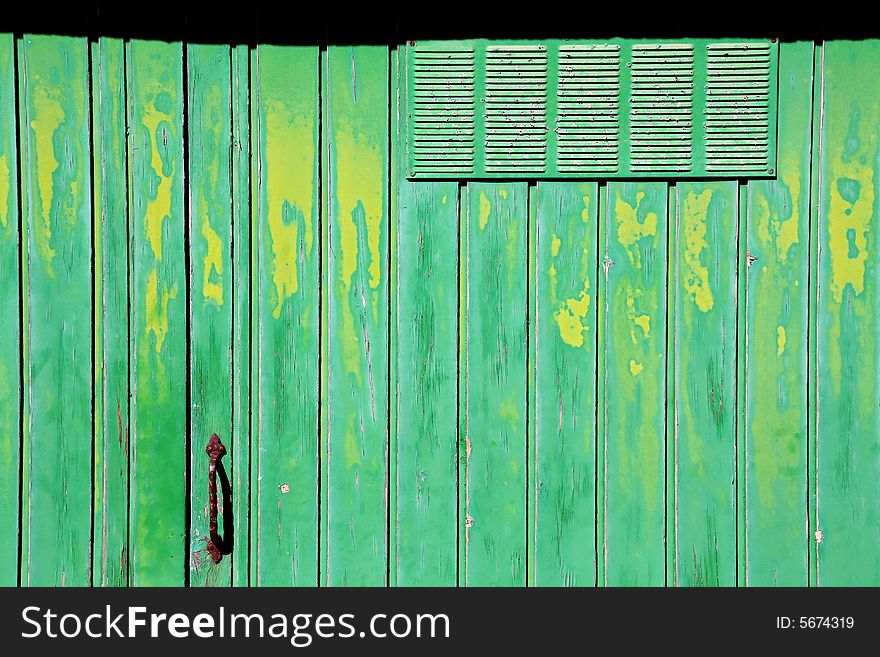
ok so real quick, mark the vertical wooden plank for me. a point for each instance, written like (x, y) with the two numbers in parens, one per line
(705, 259)
(357, 136)
(287, 306)
(495, 362)
(110, 194)
(425, 361)
(426, 356)
(211, 303)
(848, 411)
(158, 314)
(565, 384)
(602, 307)
(57, 215)
(241, 309)
(10, 343)
(776, 342)
(635, 374)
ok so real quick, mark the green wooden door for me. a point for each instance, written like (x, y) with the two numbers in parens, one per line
(559, 339)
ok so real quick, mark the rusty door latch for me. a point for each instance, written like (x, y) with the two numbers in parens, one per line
(215, 450)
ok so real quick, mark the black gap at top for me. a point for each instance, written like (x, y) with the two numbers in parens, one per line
(324, 22)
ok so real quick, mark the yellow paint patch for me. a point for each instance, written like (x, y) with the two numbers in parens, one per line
(569, 318)
(636, 318)
(630, 230)
(159, 207)
(695, 220)
(359, 183)
(48, 116)
(502, 193)
(635, 368)
(290, 173)
(359, 192)
(212, 290)
(585, 215)
(787, 231)
(555, 243)
(443, 200)
(485, 210)
(157, 308)
(4, 190)
(849, 220)
(780, 340)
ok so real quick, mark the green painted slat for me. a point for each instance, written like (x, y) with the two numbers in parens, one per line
(426, 358)
(285, 478)
(812, 355)
(158, 372)
(10, 344)
(211, 294)
(495, 360)
(241, 315)
(704, 505)
(776, 367)
(565, 384)
(110, 197)
(53, 73)
(356, 143)
(634, 387)
(848, 319)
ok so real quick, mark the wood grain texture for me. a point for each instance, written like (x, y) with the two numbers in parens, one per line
(565, 384)
(848, 319)
(287, 311)
(704, 505)
(241, 314)
(10, 330)
(209, 228)
(111, 249)
(495, 364)
(426, 357)
(775, 493)
(634, 370)
(158, 314)
(56, 529)
(424, 345)
(356, 144)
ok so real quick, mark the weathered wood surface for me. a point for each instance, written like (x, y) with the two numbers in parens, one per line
(494, 360)
(703, 503)
(112, 262)
(778, 281)
(356, 183)
(158, 314)
(284, 476)
(10, 329)
(57, 292)
(565, 384)
(421, 383)
(847, 376)
(634, 260)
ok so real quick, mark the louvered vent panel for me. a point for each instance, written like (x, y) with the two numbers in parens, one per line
(516, 109)
(661, 107)
(588, 123)
(443, 112)
(737, 106)
(638, 109)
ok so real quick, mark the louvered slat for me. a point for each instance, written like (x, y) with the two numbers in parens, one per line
(661, 107)
(588, 123)
(516, 109)
(737, 107)
(443, 112)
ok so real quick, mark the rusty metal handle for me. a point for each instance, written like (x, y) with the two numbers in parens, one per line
(215, 450)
